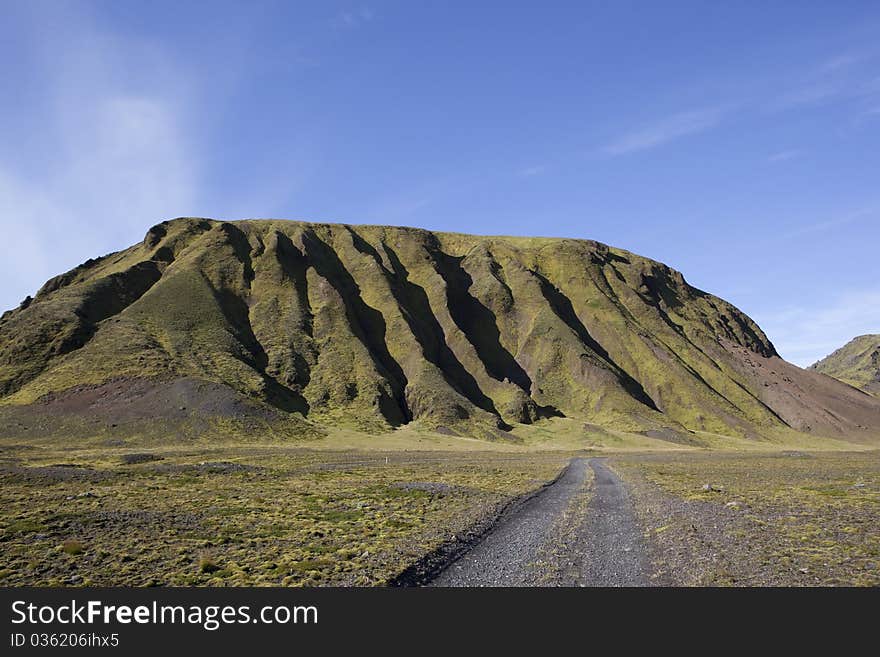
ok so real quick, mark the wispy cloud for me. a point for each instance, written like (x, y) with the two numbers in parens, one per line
(839, 77)
(784, 156)
(809, 94)
(120, 162)
(804, 335)
(666, 130)
(839, 62)
(835, 222)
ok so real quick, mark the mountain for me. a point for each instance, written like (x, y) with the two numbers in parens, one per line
(287, 328)
(856, 363)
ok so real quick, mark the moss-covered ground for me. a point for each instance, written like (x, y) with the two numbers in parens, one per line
(358, 509)
(242, 515)
(789, 518)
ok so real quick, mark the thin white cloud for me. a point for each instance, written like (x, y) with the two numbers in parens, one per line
(810, 94)
(839, 62)
(805, 335)
(118, 161)
(836, 79)
(835, 222)
(665, 131)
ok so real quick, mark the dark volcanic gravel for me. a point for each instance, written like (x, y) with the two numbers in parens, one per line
(615, 554)
(565, 536)
(508, 554)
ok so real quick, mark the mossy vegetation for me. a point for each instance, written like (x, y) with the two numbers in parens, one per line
(856, 363)
(294, 328)
(789, 518)
(292, 403)
(244, 515)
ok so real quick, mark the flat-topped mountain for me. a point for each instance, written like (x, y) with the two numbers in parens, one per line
(289, 327)
(856, 363)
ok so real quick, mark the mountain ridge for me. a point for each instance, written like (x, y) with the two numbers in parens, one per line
(856, 363)
(310, 325)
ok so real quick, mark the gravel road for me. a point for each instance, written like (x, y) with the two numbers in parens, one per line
(580, 531)
(614, 550)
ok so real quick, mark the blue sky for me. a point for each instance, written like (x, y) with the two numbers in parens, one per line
(737, 142)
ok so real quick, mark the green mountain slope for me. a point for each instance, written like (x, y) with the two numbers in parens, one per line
(291, 326)
(856, 363)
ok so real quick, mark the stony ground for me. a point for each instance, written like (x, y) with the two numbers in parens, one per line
(694, 519)
(243, 516)
(580, 531)
(515, 551)
(789, 519)
(290, 516)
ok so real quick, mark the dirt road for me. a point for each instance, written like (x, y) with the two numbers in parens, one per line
(579, 531)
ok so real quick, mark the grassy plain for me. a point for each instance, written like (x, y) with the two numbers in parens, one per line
(785, 518)
(357, 509)
(243, 515)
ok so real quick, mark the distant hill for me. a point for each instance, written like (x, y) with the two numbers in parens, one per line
(285, 328)
(856, 363)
